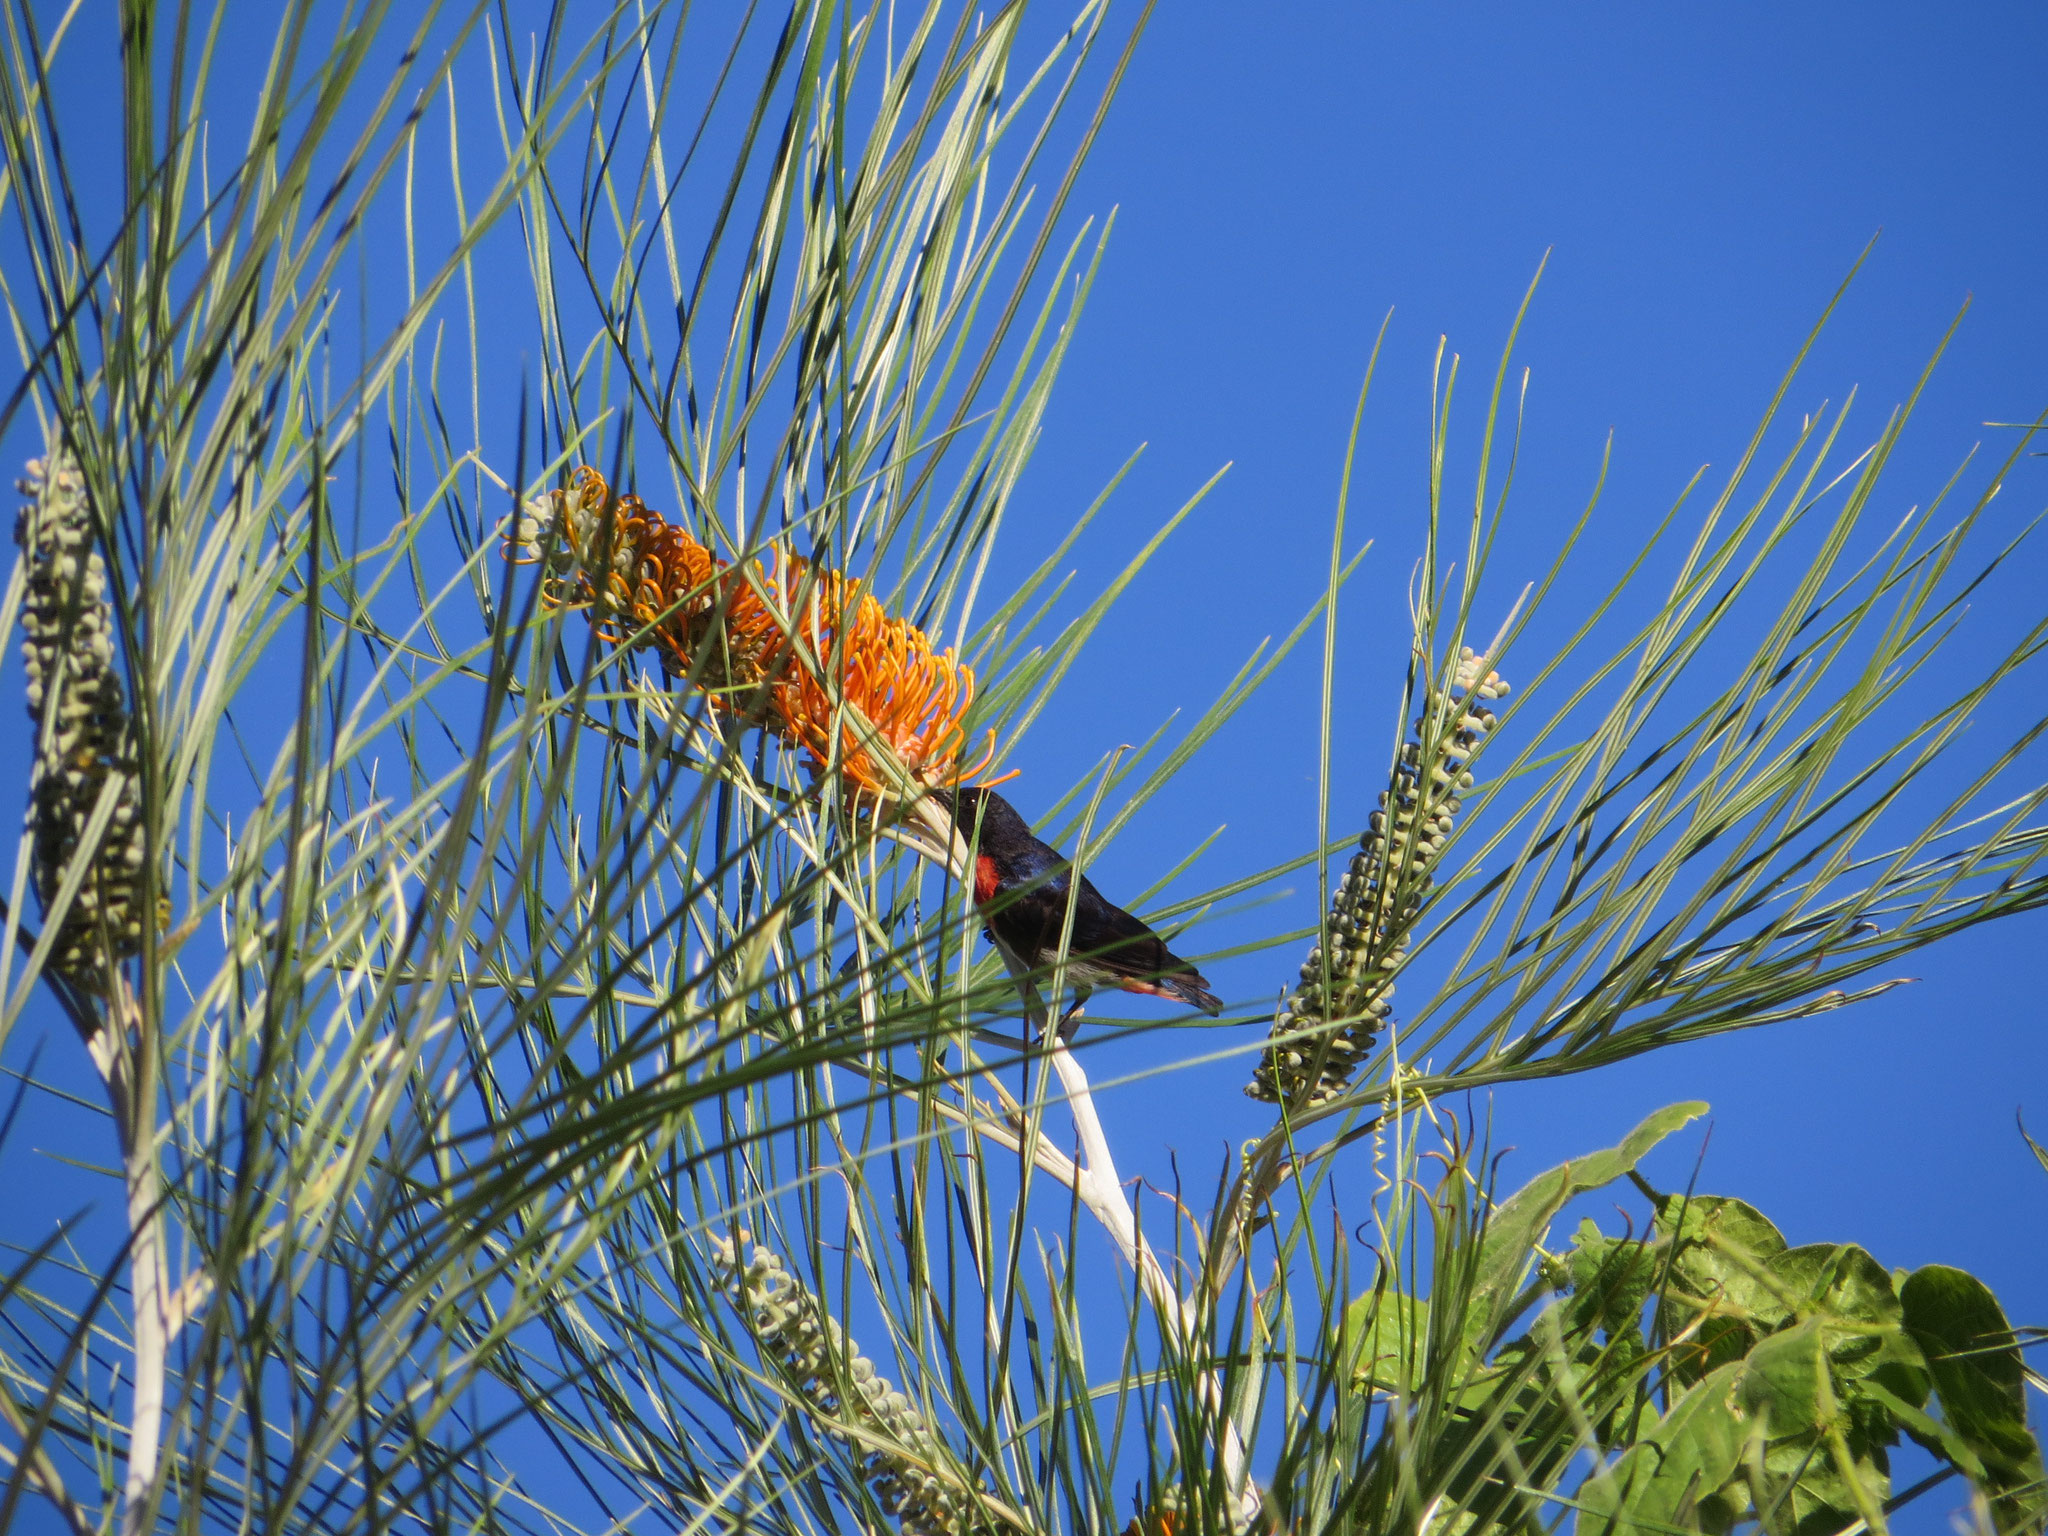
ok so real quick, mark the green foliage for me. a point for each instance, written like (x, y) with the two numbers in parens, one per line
(1502, 1413)
(1962, 1336)
(1717, 1376)
(505, 981)
(1786, 1373)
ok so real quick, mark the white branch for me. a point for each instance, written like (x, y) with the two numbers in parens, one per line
(146, 1281)
(1102, 1192)
(121, 1052)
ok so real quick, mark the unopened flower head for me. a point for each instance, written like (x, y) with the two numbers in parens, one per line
(1331, 1019)
(84, 739)
(792, 647)
(831, 1375)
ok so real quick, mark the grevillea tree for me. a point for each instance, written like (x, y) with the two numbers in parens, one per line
(505, 589)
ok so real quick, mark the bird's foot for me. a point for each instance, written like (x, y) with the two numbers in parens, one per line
(1070, 1021)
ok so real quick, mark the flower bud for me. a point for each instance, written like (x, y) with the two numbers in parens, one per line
(1378, 898)
(84, 737)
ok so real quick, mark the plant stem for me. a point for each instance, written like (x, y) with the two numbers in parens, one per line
(120, 1052)
(1102, 1192)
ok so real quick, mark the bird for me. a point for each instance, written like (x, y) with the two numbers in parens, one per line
(1021, 889)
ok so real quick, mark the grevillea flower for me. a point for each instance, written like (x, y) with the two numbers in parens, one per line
(908, 695)
(788, 645)
(835, 1379)
(85, 739)
(1331, 1019)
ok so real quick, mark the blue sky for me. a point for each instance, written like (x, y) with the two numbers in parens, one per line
(1704, 178)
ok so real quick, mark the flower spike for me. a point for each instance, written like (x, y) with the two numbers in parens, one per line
(787, 645)
(1330, 1020)
(85, 738)
(836, 1380)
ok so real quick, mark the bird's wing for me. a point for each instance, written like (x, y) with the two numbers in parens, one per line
(1109, 933)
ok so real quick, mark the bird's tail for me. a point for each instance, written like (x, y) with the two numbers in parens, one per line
(1194, 991)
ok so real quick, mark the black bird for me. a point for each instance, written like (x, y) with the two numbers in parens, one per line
(1021, 888)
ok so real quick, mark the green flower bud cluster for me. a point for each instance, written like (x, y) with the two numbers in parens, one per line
(1329, 1022)
(835, 1378)
(560, 527)
(84, 737)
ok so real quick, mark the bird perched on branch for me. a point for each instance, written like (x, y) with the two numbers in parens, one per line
(1021, 888)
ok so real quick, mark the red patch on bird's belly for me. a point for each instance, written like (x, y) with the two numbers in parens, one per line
(984, 878)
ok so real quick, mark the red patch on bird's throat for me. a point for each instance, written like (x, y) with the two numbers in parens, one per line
(984, 878)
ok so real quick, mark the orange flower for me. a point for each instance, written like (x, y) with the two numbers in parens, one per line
(792, 647)
(869, 678)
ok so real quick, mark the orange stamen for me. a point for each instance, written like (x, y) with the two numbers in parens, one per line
(647, 584)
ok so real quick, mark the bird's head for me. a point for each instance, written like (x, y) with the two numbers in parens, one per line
(1000, 825)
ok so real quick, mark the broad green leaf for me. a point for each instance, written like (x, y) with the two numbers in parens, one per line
(1788, 1384)
(1809, 1496)
(1385, 1334)
(1842, 1282)
(1979, 1383)
(1928, 1430)
(1611, 1278)
(1674, 1476)
(1840, 1279)
(1718, 1293)
(1786, 1381)
(1518, 1223)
